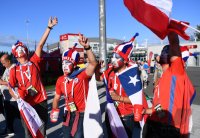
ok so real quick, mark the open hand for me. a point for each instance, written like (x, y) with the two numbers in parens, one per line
(52, 21)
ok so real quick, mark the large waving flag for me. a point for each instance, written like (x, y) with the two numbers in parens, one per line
(131, 83)
(155, 14)
(116, 125)
(92, 123)
(30, 116)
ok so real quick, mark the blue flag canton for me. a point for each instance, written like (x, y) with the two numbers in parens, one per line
(131, 81)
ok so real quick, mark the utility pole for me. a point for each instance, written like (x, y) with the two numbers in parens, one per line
(102, 33)
(35, 44)
(27, 41)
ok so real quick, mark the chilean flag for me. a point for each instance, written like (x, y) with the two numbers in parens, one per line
(155, 14)
(92, 117)
(131, 83)
(185, 53)
(116, 125)
(30, 116)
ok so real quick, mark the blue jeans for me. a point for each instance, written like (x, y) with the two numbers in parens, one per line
(67, 129)
(132, 128)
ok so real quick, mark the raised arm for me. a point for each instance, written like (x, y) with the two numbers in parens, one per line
(174, 49)
(91, 57)
(52, 22)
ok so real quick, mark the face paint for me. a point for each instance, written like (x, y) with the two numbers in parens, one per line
(67, 67)
(20, 51)
(117, 60)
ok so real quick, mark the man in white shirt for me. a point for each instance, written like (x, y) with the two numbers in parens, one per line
(10, 104)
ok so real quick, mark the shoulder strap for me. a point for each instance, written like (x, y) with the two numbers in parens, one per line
(15, 76)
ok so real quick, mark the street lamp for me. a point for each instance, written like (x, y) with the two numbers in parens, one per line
(27, 22)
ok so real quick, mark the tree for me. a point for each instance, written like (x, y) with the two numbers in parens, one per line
(197, 34)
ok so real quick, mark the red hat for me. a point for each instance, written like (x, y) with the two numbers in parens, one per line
(125, 49)
(16, 45)
(71, 55)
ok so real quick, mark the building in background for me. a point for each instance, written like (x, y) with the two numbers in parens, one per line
(140, 52)
(192, 60)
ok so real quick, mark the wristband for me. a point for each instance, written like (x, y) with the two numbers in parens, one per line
(87, 48)
(50, 27)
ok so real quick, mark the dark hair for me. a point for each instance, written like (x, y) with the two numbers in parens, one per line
(164, 56)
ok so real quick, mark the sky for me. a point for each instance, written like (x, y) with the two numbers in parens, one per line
(79, 16)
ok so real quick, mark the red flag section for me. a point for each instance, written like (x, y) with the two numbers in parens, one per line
(155, 16)
(179, 28)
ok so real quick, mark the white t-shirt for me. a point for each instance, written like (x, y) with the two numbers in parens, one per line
(3, 88)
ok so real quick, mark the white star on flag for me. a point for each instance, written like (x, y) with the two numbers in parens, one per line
(133, 80)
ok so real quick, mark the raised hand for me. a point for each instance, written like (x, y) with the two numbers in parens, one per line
(83, 41)
(52, 21)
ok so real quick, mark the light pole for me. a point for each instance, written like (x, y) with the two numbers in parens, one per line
(27, 22)
(102, 33)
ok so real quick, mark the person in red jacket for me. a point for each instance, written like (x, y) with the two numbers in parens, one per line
(74, 85)
(26, 76)
(173, 96)
(119, 63)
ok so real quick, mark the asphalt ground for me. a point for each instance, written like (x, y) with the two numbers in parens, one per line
(54, 130)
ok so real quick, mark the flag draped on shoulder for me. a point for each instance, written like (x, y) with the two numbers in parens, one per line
(155, 14)
(116, 125)
(30, 116)
(92, 123)
(131, 83)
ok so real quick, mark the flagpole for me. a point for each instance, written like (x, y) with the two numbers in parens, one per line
(102, 33)
(188, 26)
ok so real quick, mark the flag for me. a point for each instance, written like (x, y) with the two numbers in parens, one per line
(131, 83)
(116, 125)
(92, 123)
(125, 49)
(179, 28)
(30, 116)
(155, 14)
(185, 53)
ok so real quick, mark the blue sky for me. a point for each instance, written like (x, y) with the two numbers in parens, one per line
(79, 16)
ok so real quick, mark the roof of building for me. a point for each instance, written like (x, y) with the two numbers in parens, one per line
(55, 46)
